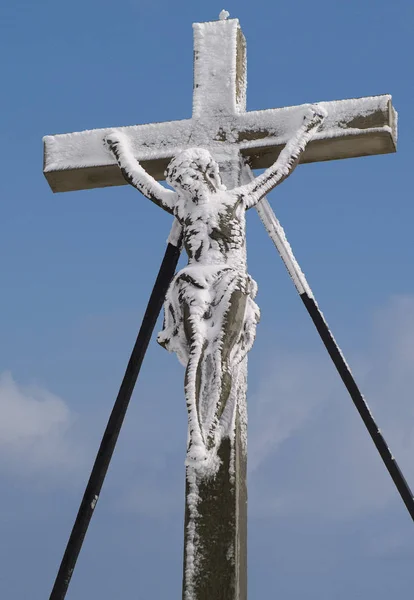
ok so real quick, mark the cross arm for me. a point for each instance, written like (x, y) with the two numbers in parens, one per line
(79, 161)
(354, 127)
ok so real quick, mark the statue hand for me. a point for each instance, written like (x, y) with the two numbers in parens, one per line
(314, 116)
(113, 140)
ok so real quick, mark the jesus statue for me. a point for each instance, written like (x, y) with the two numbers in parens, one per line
(210, 315)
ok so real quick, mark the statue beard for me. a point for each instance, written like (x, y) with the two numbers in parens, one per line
(198, 195)
(198, 191)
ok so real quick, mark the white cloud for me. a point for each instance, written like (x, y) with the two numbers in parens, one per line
(285, 403)
(36, 430)
(309, 452)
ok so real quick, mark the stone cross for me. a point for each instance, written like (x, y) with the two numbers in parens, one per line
(215, 554)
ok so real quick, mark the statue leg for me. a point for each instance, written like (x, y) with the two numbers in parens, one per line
(212, 357)
(229, 355)
(193, 374)
(234, 320)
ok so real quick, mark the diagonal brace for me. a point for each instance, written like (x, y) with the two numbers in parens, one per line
(110, 437)
(278, 237)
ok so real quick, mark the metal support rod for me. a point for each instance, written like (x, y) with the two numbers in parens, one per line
(277, 234)
(114, 425)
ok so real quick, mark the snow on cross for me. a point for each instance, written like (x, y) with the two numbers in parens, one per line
(354, 127)
(216, 497)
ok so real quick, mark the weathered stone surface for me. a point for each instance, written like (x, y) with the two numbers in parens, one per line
(222, 529)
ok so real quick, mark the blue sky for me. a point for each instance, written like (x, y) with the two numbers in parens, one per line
(77, 269)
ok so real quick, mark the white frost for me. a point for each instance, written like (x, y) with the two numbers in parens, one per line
(224, 14)
(241, 131)
(216, 269)
(210, 315)
(175, 237)
(217, 89)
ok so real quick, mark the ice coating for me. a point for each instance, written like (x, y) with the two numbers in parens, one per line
(219, 77)
(216, 276)
(210, 315)
(246, 132)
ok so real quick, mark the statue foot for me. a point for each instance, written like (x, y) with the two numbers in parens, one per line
(202, 462)
(197, 453)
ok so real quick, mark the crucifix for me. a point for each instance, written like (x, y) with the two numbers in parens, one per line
(210, 315)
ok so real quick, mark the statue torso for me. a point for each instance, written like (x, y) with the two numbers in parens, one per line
(214, 230)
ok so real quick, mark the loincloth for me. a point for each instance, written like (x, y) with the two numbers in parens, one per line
(206, 290)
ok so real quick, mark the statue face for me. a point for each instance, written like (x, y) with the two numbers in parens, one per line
(194, 173)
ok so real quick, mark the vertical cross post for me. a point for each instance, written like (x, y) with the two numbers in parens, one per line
(215, 546)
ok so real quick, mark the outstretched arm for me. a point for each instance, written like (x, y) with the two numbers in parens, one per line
(134, 174)
(287, 160)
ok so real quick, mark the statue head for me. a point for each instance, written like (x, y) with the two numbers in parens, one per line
(194, 173)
